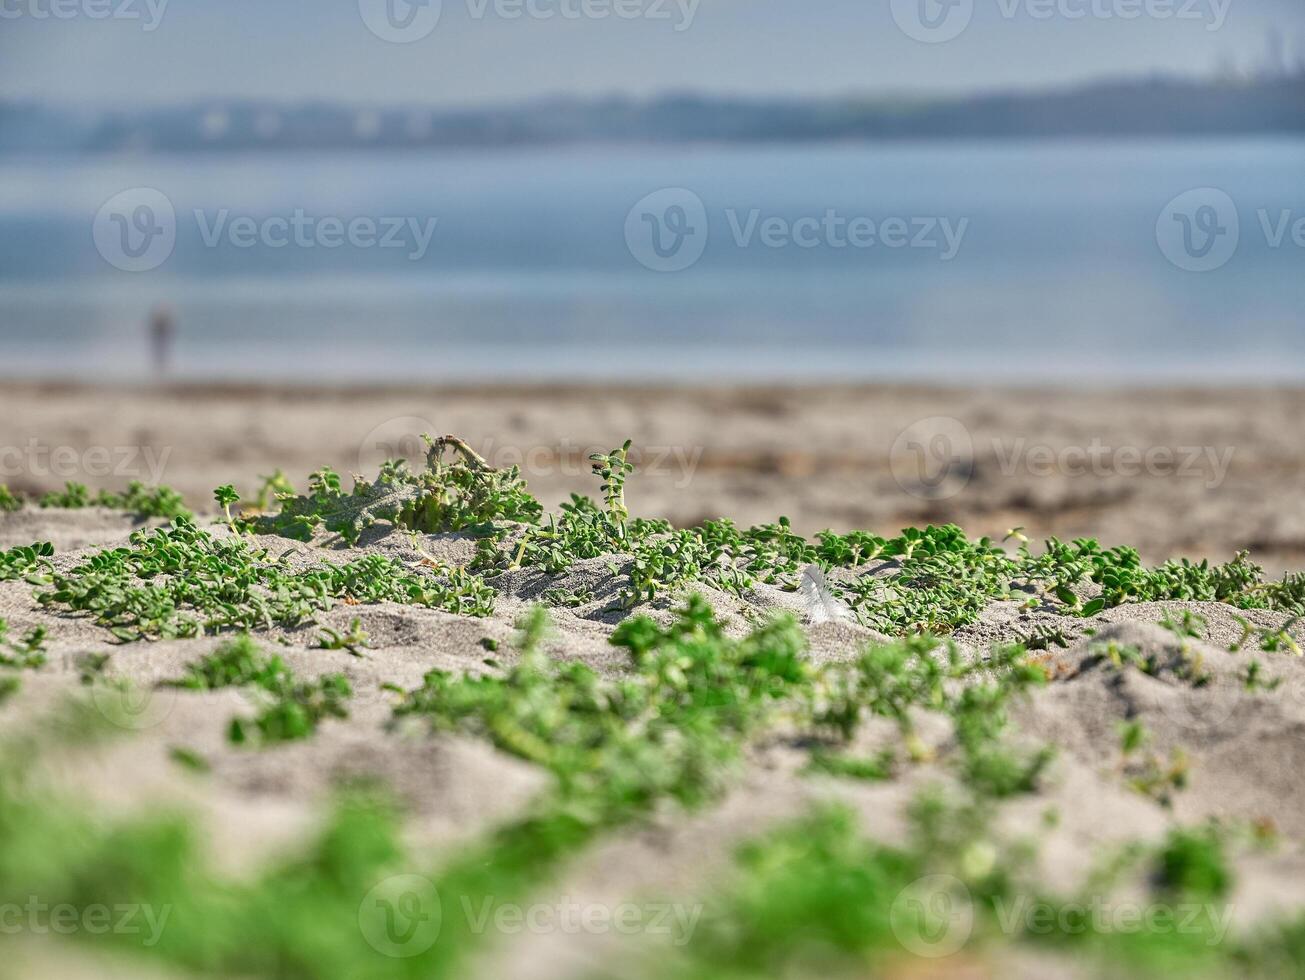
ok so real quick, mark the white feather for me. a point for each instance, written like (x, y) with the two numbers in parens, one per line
(822, 606)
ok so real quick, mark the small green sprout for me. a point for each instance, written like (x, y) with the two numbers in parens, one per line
(188, 759)
(225, 496)
(1254, 680)
(1133, 736)
(1189, 626)
(1280, 640)
(353, 641)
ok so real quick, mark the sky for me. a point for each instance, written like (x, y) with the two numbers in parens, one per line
(496, 51)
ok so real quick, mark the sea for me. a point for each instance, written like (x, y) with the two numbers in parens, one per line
(1067, 262)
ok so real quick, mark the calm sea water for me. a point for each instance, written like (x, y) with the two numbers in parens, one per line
(953, 261)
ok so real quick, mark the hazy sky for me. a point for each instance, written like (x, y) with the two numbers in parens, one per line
(477, 52)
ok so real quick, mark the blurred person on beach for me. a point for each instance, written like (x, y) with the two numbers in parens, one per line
(162, 330)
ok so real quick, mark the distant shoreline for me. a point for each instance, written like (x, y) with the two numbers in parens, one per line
(1134, 108)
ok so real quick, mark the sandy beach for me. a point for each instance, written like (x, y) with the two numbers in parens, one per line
(1201, 473)
(1056, 463)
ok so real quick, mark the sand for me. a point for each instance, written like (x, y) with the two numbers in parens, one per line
(821, 457)
(1229, 473)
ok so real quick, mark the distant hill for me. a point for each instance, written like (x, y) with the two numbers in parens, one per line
(1120, 109)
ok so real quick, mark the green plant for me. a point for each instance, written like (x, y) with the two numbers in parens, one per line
(290, 709)
(9, 501)
(26, 652)
(1192, 864)
(226, 496)
(614, 469)
(29, 562)
(138, 499)
(355, 640)
(188, 759)
(1146, 772)
(464, 495)
(1254, 680)
(274, 487)
(873, 769)
(616, 747)
(1188, 626)
(567, 597)
(180, 581)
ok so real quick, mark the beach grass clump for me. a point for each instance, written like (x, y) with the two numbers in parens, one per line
(288, 708)
(138, 499)
(813, 895)
(929, 580)
(696, 696)
(817, 897)
(10, 502)
(28, 562)
(181, 581)
(465, 494)
(617, 747)
(27, 651)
